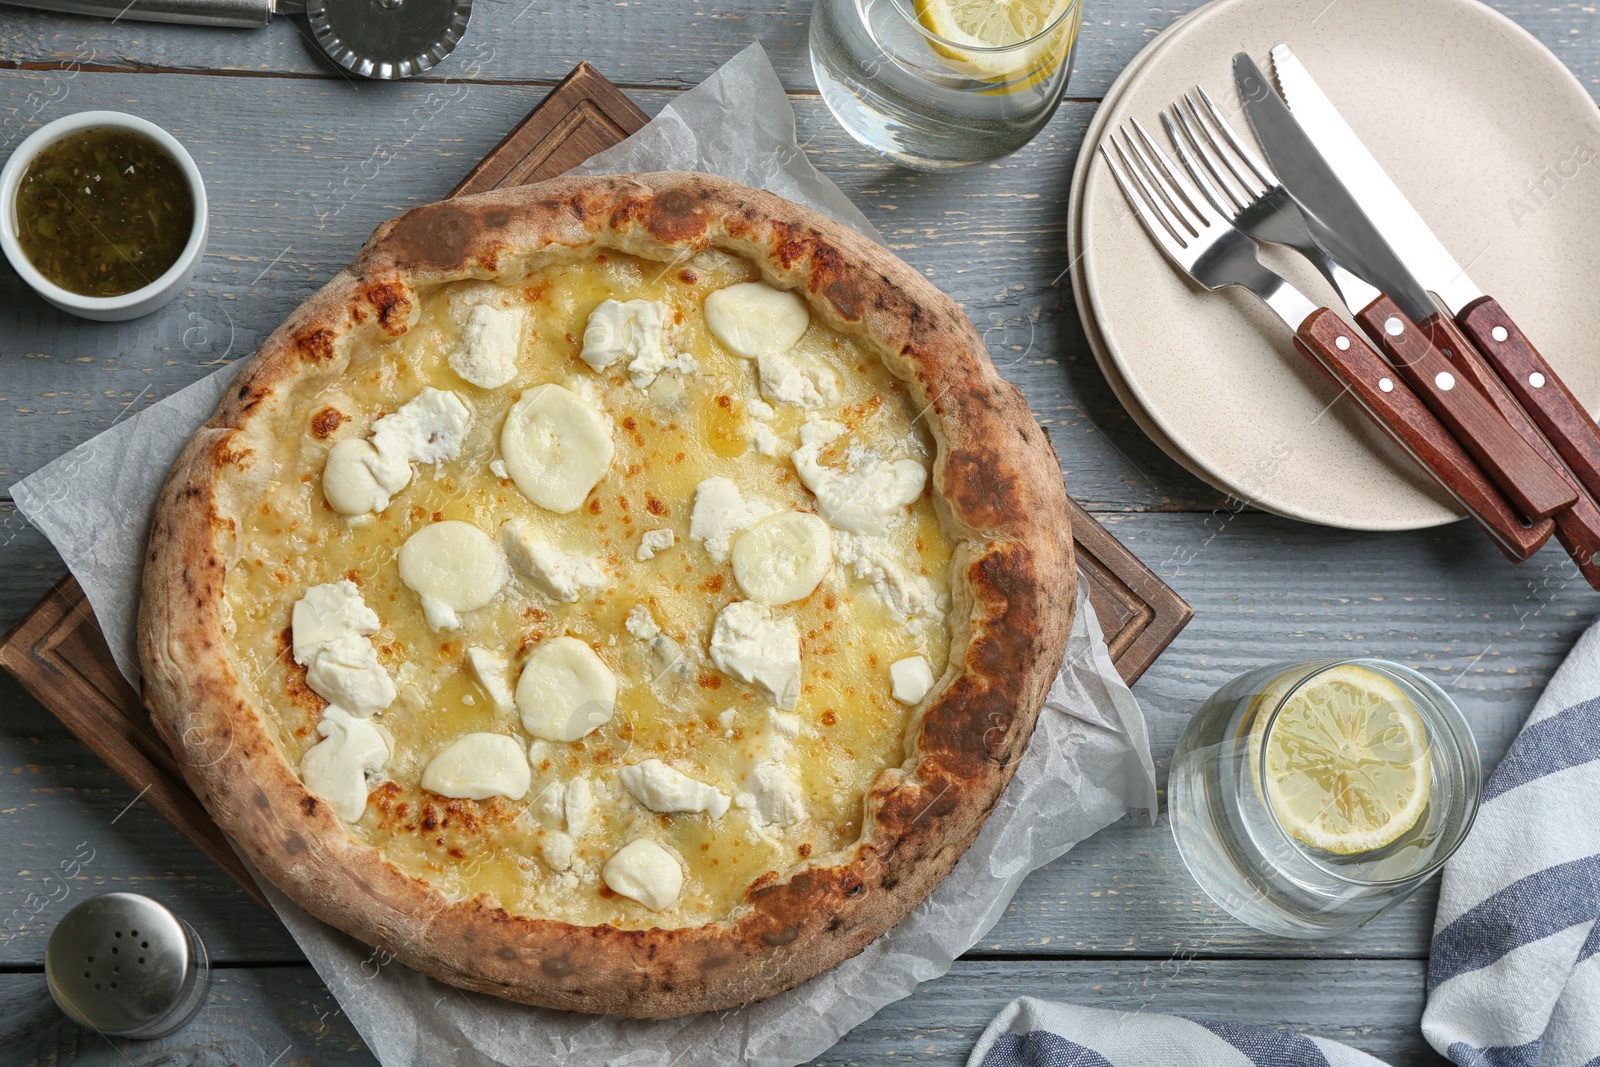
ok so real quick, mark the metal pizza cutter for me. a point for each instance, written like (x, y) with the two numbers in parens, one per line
(373, 38)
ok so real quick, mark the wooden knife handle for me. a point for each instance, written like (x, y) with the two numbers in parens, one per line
(1577, 527)
(1531, 484)
(1583, 555)
(1537, 388)
(1344, 356)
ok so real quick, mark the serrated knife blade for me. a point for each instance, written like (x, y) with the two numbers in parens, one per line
(1379, 199)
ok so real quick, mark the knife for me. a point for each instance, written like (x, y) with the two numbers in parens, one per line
(1536, 386)
(1342, 230)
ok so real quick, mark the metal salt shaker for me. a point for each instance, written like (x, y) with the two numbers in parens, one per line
(122, 964)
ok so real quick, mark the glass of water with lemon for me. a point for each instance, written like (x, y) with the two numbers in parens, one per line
(937, 84)
(1307, 798)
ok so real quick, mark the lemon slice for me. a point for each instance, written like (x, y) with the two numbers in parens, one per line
(986, 24)
(1347, 767)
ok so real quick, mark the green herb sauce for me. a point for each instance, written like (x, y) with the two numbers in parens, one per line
(103, 212)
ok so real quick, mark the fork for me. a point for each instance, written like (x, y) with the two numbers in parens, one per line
(1202, 241)
(1259, 205)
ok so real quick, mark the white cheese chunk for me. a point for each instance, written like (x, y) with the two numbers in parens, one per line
(720, 511)
(653, 541)
(802, 381)
(350, 479)
(558, 575)
(634, 330)
(362, 476)
(660, 788)
(752, 646)
(911, 678)
(866, 496)
(330, 627)
(771, 794)
(497, 467)
(479, 766)
(454, 567)
(336, 768)
(556, 446)
(906, 595)
(760, 410)
(326, 612)
(346, 672)
(752, 319)
(645, 871)
(430, 428)
(556, 848)
(490, 669)
(487, 355)
(784, 723)
(765, 441)
(566, 691)
(579, 807)
(783, 557)
(641, 623)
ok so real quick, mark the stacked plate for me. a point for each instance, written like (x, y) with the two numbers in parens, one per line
(1487, 133)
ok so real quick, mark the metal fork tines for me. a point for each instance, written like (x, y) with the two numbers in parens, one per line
(1246, 190)
(1191, 229)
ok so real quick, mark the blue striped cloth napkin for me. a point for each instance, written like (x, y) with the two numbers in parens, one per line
(1514, 975)
(1040, 1033)
(1514, 972)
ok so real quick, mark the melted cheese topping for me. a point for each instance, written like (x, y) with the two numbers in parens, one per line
(796, 778)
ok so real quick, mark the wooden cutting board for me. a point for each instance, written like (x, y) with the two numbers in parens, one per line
(60, 656)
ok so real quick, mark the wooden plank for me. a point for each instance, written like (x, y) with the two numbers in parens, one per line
(254, 1015)
(669, 46)
(1265, 590)
(993, 238)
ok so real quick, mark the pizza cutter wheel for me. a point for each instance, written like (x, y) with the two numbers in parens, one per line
(373, 38)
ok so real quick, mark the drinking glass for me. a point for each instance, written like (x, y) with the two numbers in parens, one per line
(929, 101)
(1238, 844)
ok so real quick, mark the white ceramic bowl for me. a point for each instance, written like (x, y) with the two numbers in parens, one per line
(102, 308)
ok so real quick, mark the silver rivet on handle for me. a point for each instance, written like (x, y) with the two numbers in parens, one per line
(1386, 385)
(1499, 333)
(122, 964)
(1445, 380)
(1342, 343)
(1394, 327)
(1536, 380)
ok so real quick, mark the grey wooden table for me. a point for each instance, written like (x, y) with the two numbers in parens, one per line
(301, 164)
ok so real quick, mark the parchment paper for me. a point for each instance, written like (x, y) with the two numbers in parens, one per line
(1088, 762)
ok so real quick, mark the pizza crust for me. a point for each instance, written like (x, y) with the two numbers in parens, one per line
(998, 490)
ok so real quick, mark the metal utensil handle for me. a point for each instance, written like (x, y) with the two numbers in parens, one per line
(1345, 357)
(241, 13)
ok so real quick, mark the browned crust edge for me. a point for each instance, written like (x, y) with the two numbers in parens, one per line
(1000, 488)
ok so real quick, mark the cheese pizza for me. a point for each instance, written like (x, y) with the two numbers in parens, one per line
(625, 595)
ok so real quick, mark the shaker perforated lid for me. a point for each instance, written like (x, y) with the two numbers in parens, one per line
(388, 38)
(122, 964)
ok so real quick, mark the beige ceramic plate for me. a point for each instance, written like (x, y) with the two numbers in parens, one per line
(1466, 124)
